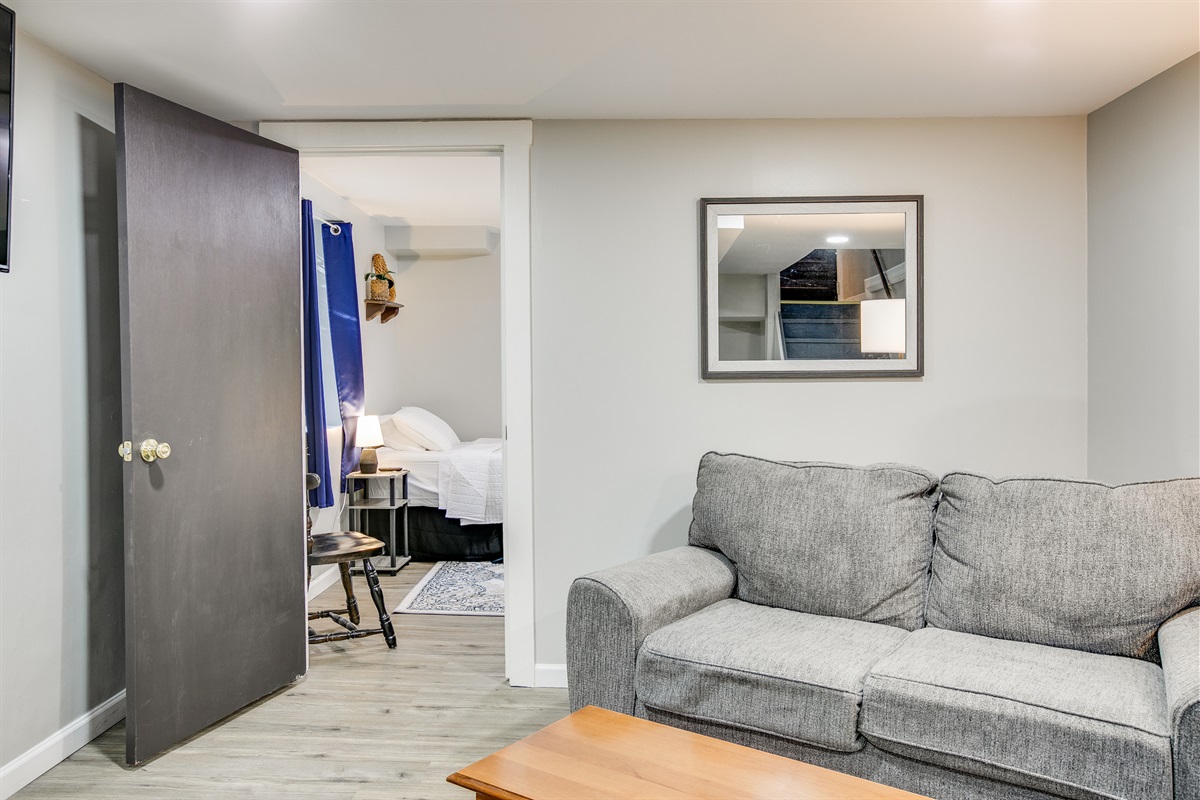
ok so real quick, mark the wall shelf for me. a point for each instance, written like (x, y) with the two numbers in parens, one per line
(384, 307)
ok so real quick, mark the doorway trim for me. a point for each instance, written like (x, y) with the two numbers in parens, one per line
(511, 140)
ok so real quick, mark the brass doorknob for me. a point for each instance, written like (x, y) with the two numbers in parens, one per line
(152, 450)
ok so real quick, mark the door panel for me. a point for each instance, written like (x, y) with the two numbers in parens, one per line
(208, 218)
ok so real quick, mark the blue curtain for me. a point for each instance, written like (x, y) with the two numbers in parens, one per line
(341, 283)
(314, 397)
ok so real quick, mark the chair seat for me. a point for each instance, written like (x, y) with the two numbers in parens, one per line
(330, 548)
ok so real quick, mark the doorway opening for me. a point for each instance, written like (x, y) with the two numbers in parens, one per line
(508, 144)
(428, 225)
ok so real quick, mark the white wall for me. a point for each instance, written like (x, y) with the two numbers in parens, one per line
(1144, 280)
(445, 343)
(621, 416)
(61, 593)
(442, 350)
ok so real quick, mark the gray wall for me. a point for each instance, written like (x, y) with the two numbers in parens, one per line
(443, 349)
(1144, 280)
(621, 416)
(61, 591)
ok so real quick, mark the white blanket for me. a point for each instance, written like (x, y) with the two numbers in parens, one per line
(471, 482)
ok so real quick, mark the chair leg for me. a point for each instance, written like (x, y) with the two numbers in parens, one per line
(351, 601)
(385, 622)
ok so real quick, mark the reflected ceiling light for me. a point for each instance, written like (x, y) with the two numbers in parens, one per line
(735, 221)
(838, 239)
(883, 326)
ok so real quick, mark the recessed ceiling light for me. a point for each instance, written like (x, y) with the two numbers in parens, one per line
(838, 239)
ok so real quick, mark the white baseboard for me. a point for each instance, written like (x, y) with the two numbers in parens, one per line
(550, 676)
(323, 580)
(27, 767)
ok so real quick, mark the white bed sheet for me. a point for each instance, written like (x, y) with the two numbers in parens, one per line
(435, 482)
(422, 466)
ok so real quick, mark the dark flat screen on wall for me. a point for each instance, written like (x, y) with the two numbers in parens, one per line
(8, 35)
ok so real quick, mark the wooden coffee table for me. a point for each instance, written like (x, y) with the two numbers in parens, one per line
(595, 753)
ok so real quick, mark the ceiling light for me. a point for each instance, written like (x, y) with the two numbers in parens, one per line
(735, 221)
(838, 239)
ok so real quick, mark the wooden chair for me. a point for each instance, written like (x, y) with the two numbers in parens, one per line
(342, 547)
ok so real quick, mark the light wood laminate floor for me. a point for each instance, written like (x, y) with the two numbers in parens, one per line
(367, 723)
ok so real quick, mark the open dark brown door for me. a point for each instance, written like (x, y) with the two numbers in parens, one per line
(209, 224)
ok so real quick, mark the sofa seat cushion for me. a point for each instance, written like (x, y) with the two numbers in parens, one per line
(786, 673)
(1060, 721)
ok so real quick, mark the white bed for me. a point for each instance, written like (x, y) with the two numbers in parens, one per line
(465, 482)
(464, 479)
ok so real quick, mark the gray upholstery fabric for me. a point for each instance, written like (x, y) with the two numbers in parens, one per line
(610, 613)
(1179, 645)
(1077, 724)
(1063, 562)
(851, 542)
(870, 762)
(787, 673)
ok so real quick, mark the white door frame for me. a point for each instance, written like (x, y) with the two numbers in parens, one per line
(511, 140)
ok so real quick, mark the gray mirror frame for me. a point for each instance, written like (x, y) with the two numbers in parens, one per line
(710, 364)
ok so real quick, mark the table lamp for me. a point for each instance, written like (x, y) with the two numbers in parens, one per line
(368, 437)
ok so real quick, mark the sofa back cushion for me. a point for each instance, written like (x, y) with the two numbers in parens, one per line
(832, 539)
(1066, 563)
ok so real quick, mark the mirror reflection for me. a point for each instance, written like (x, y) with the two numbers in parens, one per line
(791, 285)
(810, 286)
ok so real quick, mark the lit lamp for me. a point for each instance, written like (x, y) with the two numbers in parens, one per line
(883, 329)
(368, 437)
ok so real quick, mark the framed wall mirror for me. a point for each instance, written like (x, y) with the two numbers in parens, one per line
(811, 287)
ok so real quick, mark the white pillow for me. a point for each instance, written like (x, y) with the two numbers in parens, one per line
(424, 428)
(394, 439)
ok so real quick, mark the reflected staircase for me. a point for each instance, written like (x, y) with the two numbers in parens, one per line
(820, 329)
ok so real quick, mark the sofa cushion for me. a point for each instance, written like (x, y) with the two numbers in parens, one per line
(1066, 563)
(829, 539)
(764, 669)
(1060, 721)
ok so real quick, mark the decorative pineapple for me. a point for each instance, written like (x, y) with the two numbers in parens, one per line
(380, 284)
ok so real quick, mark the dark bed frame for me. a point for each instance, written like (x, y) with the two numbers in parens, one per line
(433, 537)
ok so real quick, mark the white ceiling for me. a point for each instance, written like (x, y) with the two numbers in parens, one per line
(415, 189)
(404, 59)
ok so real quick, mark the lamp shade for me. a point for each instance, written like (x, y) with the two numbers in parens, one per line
(883, 326)
(369, 434)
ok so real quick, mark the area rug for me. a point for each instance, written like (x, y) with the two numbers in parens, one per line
(458, 587)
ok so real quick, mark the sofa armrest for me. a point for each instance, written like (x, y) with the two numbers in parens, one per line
(611, 612)
(1179, 649)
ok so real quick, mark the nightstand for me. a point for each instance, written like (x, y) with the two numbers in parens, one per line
(397, 500)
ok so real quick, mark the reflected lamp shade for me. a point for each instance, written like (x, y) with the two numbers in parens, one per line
(883, 326)
(368, 437)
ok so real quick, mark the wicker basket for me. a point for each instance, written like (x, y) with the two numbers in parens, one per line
(378, 290)
(379, 265)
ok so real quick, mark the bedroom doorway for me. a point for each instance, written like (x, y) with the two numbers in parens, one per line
(430, 224)
(506, 146)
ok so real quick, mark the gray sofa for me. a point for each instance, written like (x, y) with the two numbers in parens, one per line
(962, 637)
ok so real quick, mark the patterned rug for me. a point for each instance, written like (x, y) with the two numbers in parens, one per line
(458, 587)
